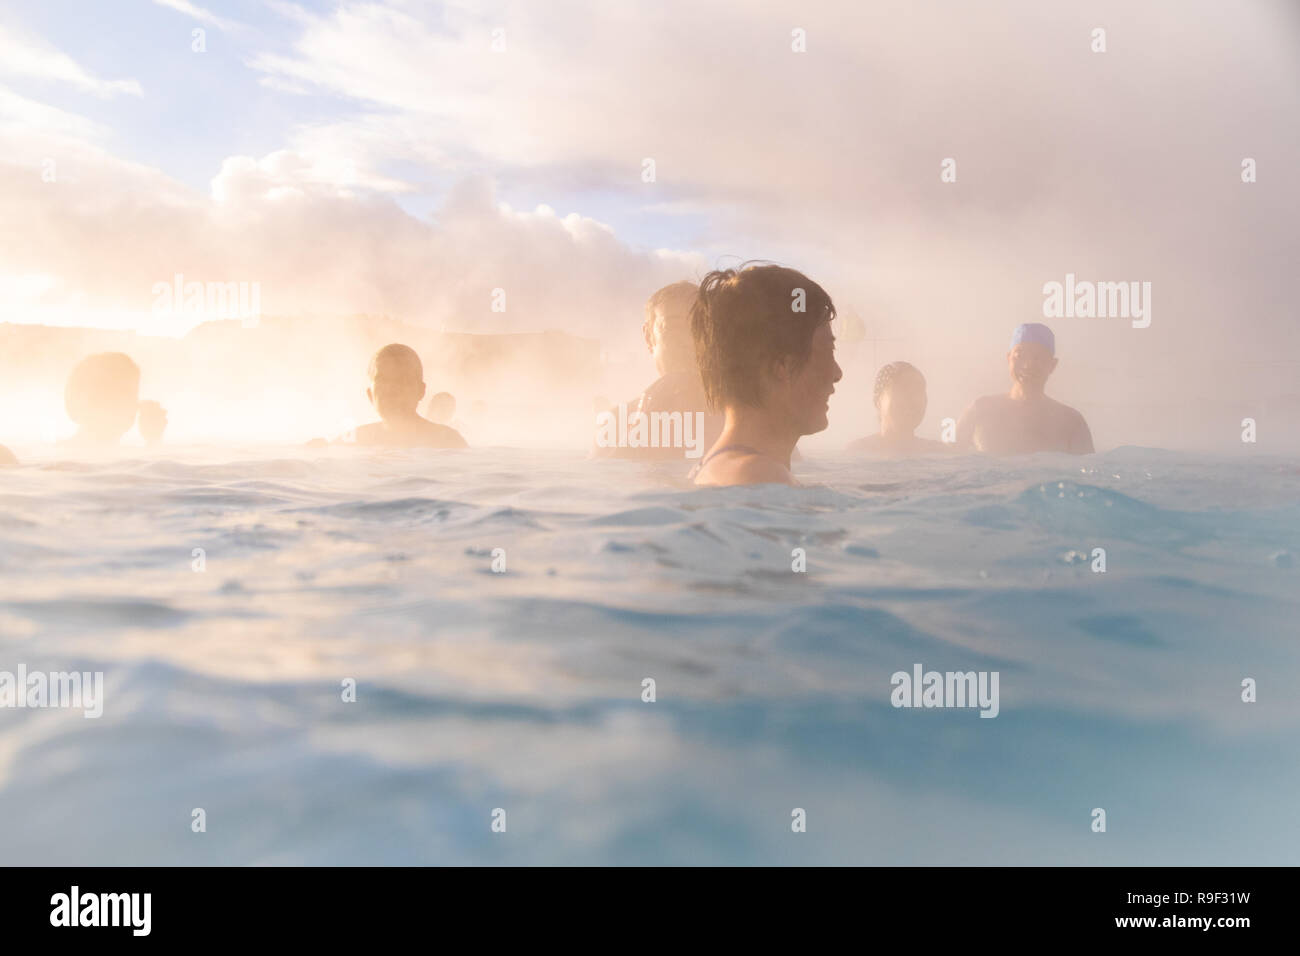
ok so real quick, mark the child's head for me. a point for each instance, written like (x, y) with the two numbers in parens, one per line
(441, 408)
(396, 382)
(900, 397)
(667, 327)
(102, 395)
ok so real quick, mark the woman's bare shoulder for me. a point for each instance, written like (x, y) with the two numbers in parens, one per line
(745, 469)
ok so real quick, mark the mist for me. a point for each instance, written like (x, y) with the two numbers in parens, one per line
(1117, 166)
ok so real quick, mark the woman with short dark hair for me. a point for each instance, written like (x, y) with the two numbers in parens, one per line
(767, 360)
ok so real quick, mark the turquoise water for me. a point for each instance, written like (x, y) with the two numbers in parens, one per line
(522, 690)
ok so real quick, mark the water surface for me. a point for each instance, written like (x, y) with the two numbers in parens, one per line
(522, 690)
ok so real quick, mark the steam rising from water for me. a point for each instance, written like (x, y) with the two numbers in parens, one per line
(1115, 166)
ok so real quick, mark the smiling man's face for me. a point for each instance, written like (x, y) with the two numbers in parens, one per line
(1030, 365)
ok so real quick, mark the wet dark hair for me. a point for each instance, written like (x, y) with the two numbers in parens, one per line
(889, 373)
(744, 321)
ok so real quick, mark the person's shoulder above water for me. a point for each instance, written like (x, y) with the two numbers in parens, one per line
(1065, 421)
(978, 414)
(1000, 424)
(442, 436)
(743, 467)
(989, 404)
(418, 434)
(1080, 435)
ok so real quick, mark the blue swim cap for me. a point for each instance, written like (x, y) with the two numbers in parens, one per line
(1034, 332)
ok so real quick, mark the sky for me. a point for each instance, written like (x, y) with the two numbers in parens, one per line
(409, 158)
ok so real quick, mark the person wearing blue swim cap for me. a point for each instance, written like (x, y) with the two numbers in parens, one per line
(1025, 420)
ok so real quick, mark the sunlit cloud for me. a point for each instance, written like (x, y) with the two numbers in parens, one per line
(31, 57)
(25, 118)
(198, 13)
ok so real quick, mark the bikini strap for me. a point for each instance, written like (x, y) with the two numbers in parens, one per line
(741, 448)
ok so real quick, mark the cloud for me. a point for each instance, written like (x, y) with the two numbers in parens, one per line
(283, 86)
(198, 13)
(25, 56)
(25, 118)
(317, 246)
(831, 158)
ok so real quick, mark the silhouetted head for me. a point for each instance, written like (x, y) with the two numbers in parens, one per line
(1032, 358)
(763, 340)
(102, 395)
(900, 398)
(396, 382)
(441, 408)
(667, 327)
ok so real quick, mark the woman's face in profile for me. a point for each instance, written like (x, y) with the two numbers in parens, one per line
(811, 385)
